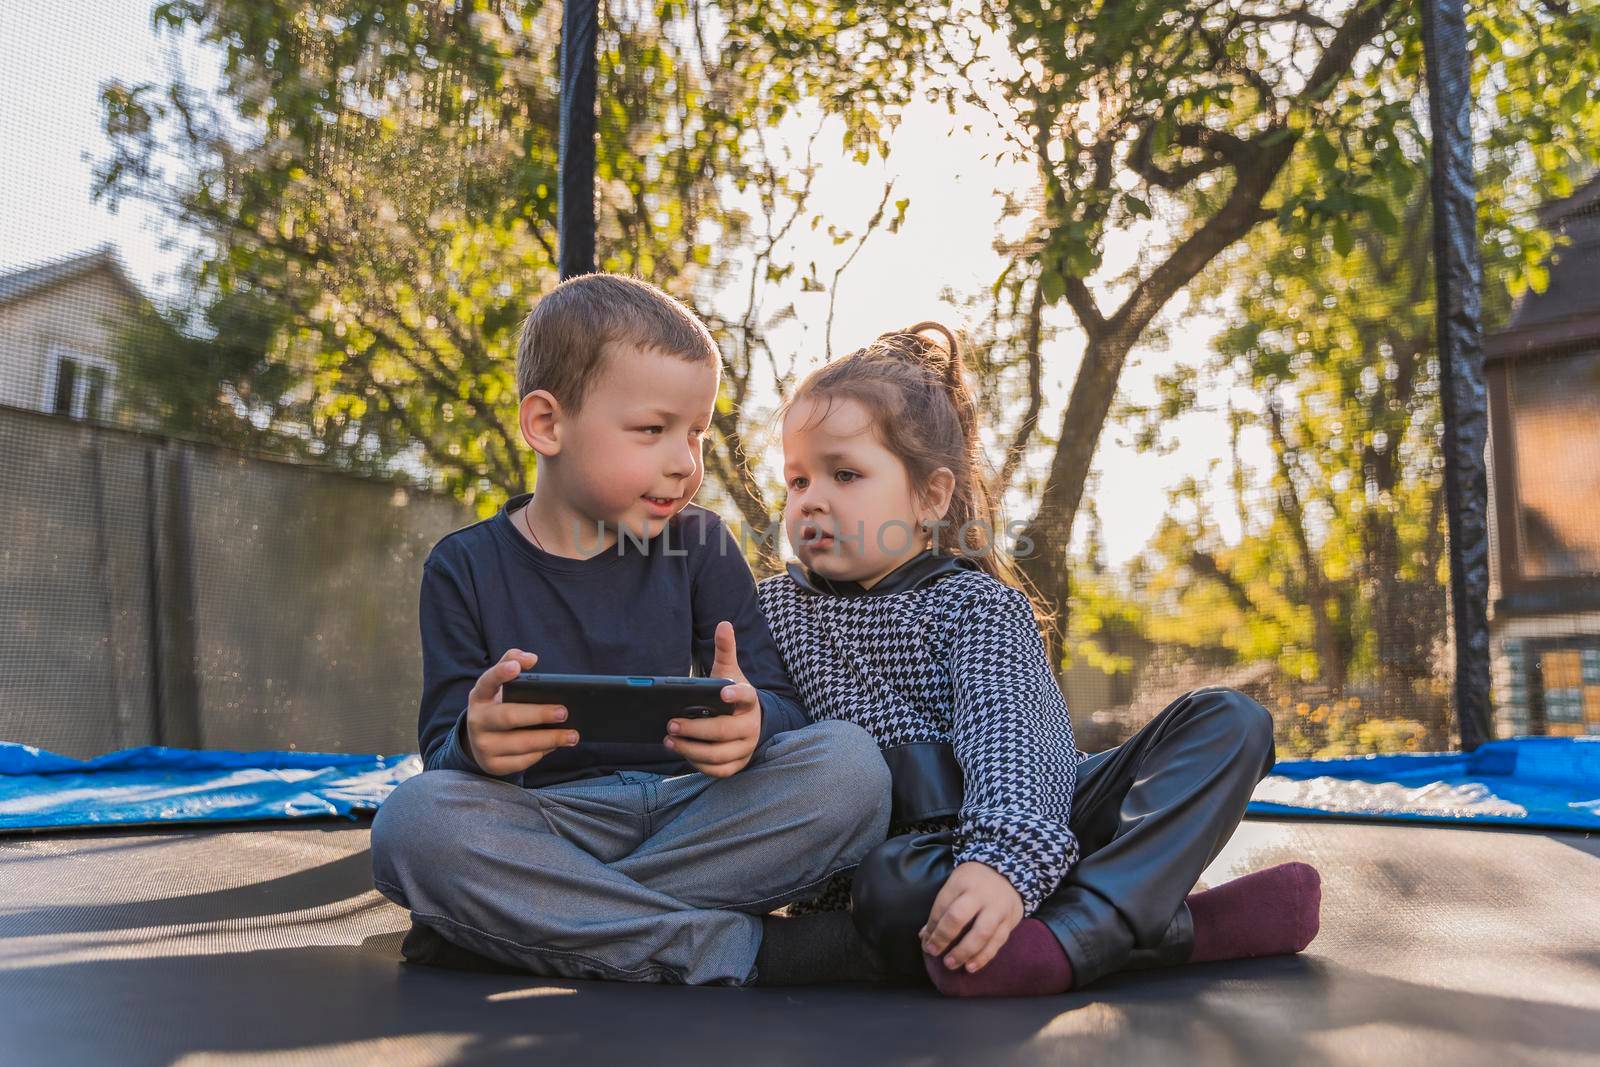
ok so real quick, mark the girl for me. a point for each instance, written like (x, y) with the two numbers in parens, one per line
(1017, 864)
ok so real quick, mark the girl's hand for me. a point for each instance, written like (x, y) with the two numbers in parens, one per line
(978, 896)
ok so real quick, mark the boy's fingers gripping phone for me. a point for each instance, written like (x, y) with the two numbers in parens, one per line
(511, 664)
(494, 728)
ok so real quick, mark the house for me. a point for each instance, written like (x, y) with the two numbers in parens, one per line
(1543, 372)
(60, 326)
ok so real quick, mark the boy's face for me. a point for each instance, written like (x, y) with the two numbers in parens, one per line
(849, 512)
(630, 456)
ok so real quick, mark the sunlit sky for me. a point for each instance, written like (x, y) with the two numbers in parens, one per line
(55, 60)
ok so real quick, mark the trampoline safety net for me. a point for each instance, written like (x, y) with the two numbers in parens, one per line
(263, 265)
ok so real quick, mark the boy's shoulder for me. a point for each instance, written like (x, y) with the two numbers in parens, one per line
(463, 542)
(693, 531)
(697, 525)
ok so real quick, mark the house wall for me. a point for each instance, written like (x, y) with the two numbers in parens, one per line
(83, 313)
(1519, 643)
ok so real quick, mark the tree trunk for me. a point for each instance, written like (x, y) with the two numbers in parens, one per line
(1332, 663)
(1255, 165)
(1050, 531)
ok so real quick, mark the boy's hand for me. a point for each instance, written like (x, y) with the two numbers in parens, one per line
(498, 734)
(974, 895)
(721, 745)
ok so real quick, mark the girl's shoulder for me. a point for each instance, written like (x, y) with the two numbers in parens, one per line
(775, 595)
(773, 586)
(956, 587)
(967, 590)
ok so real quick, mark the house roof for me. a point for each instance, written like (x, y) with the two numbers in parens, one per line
(1567, 312)
(14, 285)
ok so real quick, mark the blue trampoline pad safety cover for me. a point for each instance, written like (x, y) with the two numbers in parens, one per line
(1535, 782)
(41, 790)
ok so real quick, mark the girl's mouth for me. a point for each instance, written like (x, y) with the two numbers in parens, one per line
(811, 537)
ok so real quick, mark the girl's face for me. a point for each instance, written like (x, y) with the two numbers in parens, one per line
(851, 512)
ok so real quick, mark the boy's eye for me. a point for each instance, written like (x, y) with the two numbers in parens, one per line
(846, 476)
(795, 483)
(653, 429)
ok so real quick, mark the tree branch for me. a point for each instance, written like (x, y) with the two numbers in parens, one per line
(833, 289)
(1030, 420)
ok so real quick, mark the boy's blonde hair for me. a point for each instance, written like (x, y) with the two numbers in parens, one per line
(564, 339)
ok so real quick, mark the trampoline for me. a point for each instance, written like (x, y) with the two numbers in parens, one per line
(261, 944)
(213, 579)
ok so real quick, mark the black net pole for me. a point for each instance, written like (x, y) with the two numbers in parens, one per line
(1458, 275)
(576, 205)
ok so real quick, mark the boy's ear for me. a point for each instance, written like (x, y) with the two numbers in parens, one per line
(939, 493)
(540, 417)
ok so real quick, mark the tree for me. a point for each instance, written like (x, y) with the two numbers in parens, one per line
(1334, 331)
(376, 180)
(1216, 118)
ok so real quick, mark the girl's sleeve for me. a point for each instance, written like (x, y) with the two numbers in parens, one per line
(1013, 739)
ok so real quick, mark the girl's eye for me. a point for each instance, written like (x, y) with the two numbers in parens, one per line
(795, 483)
(846, 476)
(653, 429)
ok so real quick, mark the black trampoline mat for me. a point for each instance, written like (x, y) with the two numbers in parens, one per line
(266, 945)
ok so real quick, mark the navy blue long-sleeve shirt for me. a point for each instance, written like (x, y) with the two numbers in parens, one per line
(643, 609)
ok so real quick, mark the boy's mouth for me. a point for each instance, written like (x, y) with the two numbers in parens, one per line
(662, 504)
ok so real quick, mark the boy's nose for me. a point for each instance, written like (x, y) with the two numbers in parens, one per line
(685, 463)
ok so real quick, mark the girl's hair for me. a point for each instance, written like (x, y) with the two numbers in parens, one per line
(915, 389)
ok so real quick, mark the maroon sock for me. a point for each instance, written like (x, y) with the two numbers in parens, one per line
(1269, 913)
(1030, 964)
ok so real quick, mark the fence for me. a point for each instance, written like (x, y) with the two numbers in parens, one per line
(168, 592)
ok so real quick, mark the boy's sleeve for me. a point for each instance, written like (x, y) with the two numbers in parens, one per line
(724, 588)
(1013, 739)
(454, 656)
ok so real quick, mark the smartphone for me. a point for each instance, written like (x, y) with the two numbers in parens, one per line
(620, 708)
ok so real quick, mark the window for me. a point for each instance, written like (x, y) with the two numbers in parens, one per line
(1566, 690)
(66, 386)
(1554, 406)
(80, 386)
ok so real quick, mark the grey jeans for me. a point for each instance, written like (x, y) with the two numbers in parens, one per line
(632, 876)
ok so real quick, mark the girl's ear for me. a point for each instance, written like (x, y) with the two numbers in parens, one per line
(938, 493)
(540, 417)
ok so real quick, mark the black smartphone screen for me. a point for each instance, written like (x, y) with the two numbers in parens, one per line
(627, 709)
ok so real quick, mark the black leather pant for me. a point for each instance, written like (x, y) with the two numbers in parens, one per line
(1150, 815)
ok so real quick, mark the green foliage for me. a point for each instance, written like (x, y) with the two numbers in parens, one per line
(384, 174)
(1108, 625)
(1344, 727)
(1339, 575)
(374, 182)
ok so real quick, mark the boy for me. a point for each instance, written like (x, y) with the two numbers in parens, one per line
(589, 860)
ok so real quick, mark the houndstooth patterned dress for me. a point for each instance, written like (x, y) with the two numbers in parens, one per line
(958, 659)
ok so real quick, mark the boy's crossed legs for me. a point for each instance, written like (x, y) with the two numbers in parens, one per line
(632, 876)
